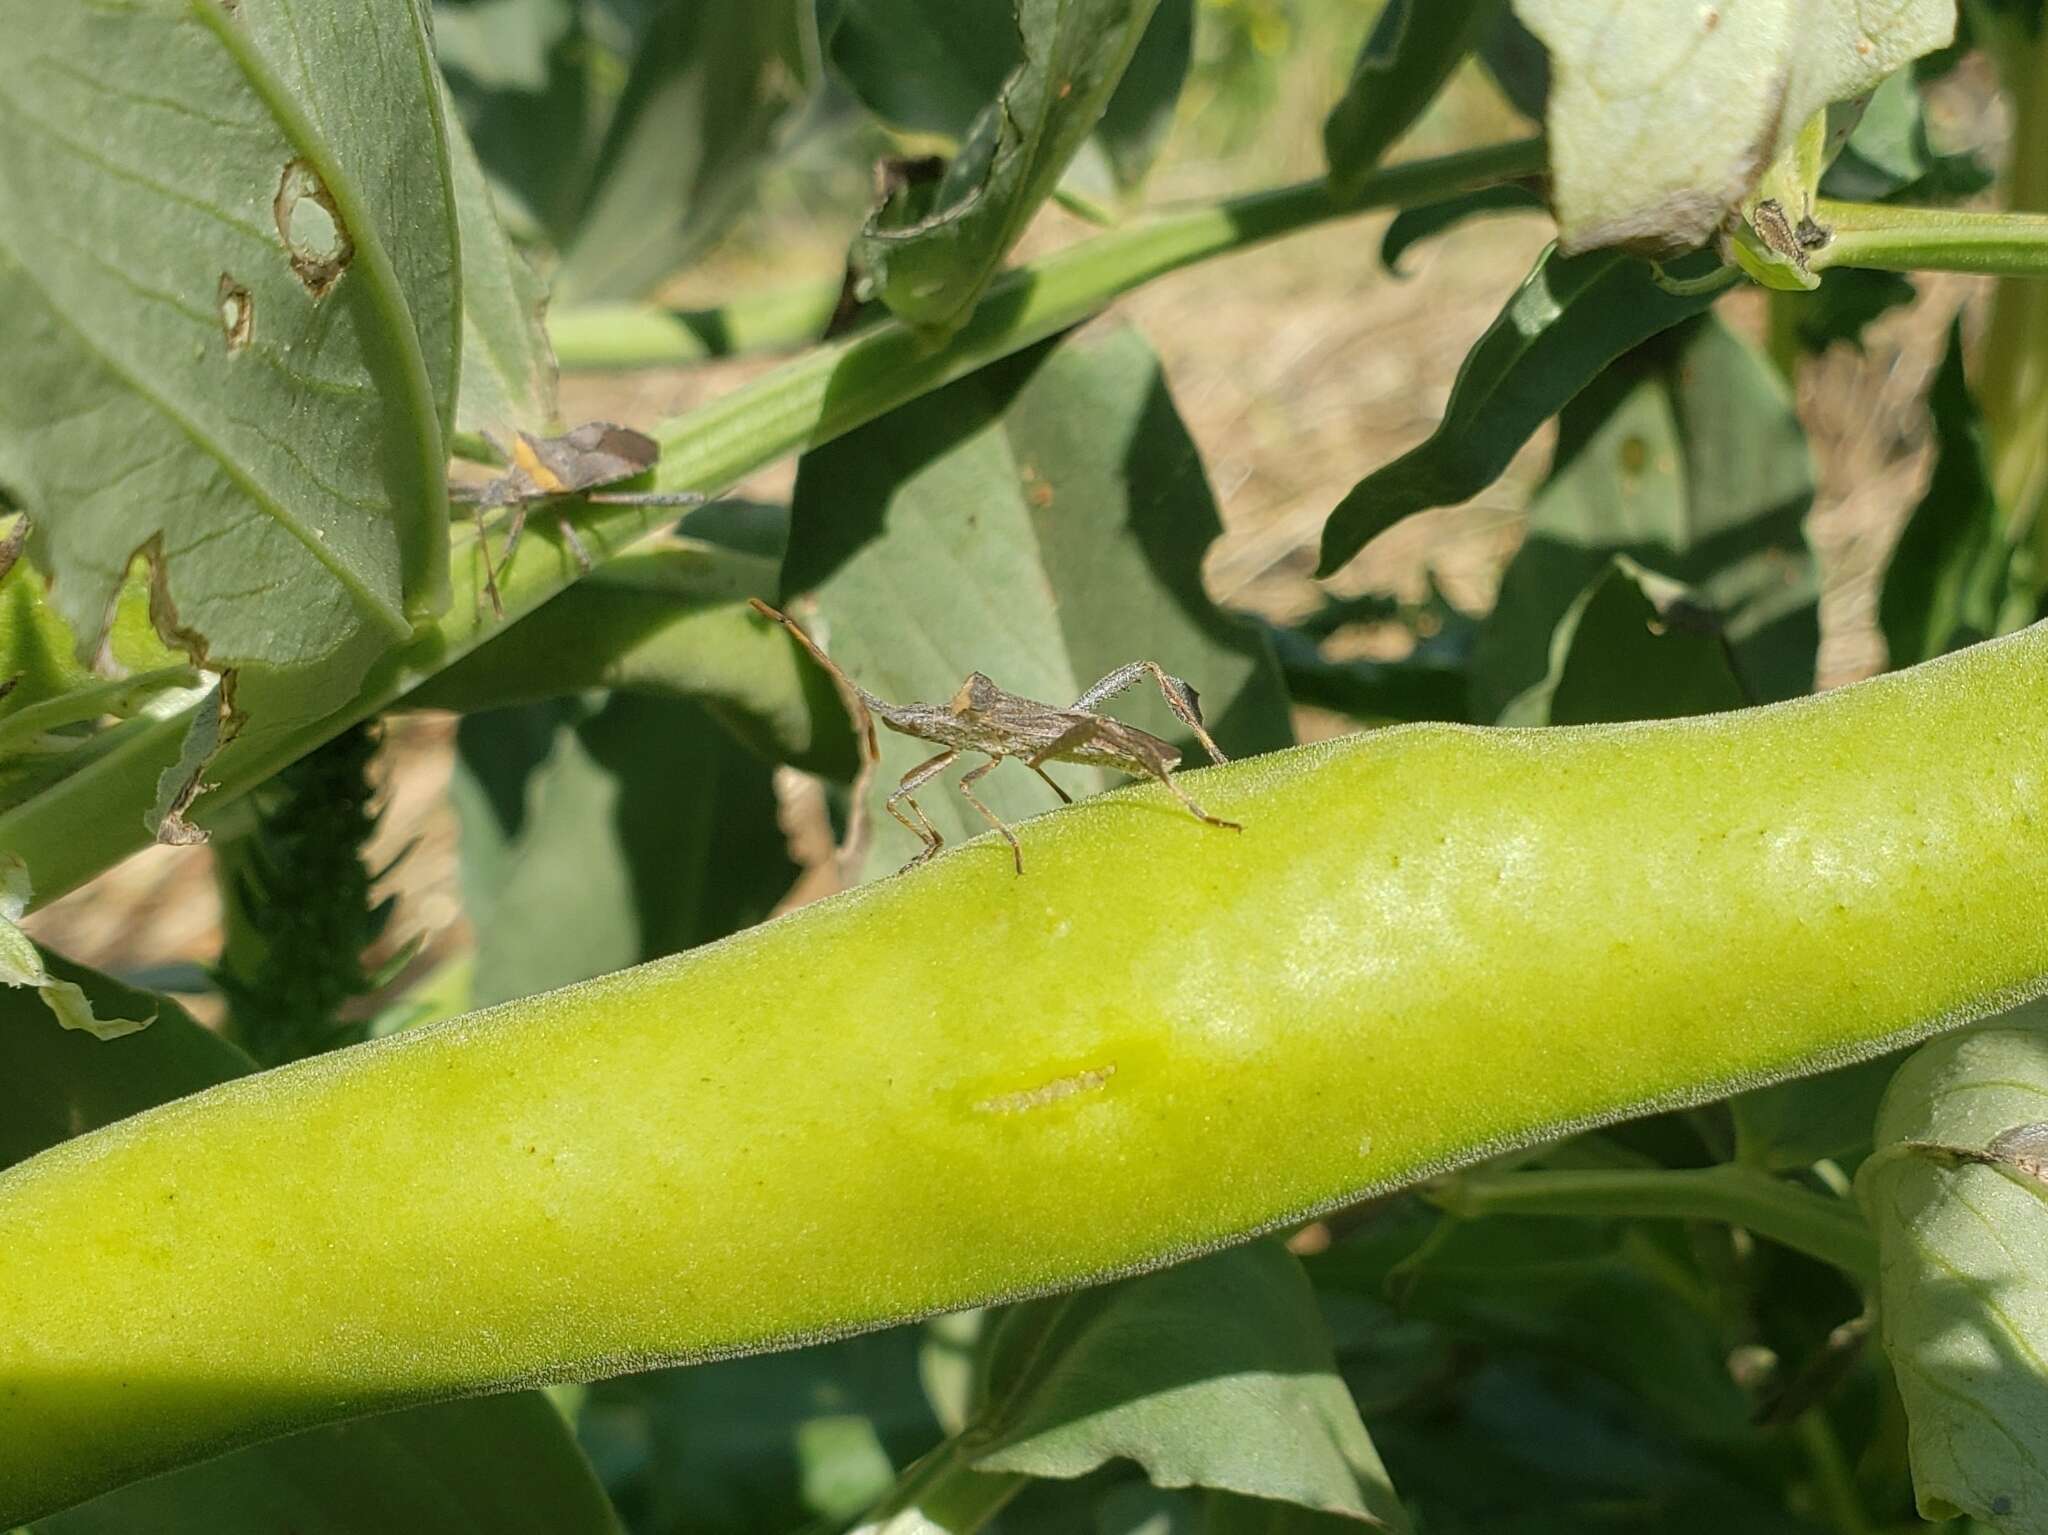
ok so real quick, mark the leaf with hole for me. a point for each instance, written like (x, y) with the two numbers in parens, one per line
(232, 314)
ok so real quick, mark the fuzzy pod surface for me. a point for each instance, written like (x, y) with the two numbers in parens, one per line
(1428, 944)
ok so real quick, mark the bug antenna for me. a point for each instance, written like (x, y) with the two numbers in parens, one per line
(859, 700)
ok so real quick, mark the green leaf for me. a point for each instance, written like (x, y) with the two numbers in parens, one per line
(230, 299)
(1792, 1125)
(671, 621)
(56, 1083)
(1617, 655)
(709, 85)
(761, 1444)
(22, 965)
(1140, 110)
(1568, 1454)
(600, 833)
(497, 1463)
(1217, 1373)
(1062, 471)
(1887, 156)
(628, 138)
(1659, 123)
(1425, 220)
(922, 66)
(931, 268)
(1413, 49)
(933, 66)
(1951, 580)
(1965, 1275)
(503, 1463)
(1685, 457)
(1570, 318)
(1518, 64)
(1418, 687)
(534, 81)
(508, 369)
(1601, 1296)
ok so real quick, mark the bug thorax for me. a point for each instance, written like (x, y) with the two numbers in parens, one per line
(976, 694)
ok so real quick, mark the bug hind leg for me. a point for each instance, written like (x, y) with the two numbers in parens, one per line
(1183, 700)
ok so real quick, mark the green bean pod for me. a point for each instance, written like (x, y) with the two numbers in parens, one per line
(1427, 945)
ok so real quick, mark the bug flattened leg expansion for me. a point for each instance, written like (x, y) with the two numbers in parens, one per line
(1183, 700)
(1072, 739)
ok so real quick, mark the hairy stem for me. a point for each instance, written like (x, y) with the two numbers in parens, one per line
(1895, 239)
(1828, 1229)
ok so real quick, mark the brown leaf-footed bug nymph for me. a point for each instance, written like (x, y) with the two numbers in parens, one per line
(983, 718)
(580, 462)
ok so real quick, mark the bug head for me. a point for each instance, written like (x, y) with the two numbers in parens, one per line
(975, 694)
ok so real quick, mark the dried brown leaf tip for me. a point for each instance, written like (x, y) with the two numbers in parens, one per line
(2021, 1153)
(985, 719)
(580, 462)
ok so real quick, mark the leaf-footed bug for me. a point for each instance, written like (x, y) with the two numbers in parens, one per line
(982, 717)
(579, 462)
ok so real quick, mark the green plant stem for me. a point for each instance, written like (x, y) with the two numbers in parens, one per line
(1895, 239)
(89, 821)
(1072, 283)
(1834, 1479)
(1830, 1230)
(942, 1494)
(647, 336)
(1782, 338)
(2012, 383)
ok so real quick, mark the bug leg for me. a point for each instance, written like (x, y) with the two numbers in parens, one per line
(514, 526)
(647, 498)
(1065, 797)
(1073, 737)
(916, 778)
(575, 544)
(1161, 768)
(988, 815)
(483, 544)
(1183, 700)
